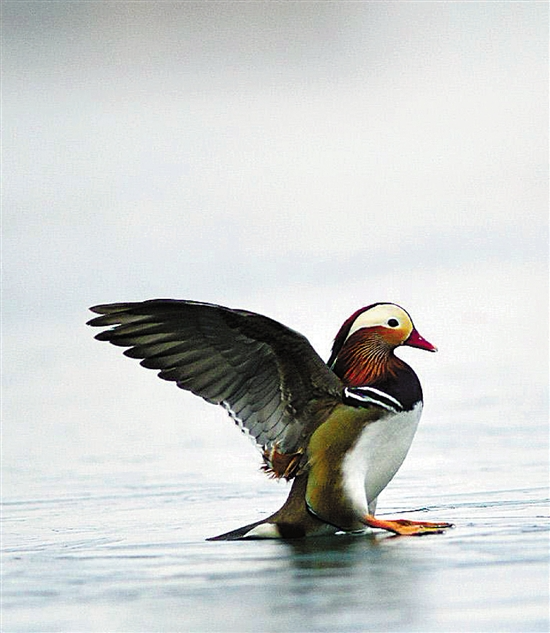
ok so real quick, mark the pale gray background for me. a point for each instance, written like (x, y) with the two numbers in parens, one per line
(297, 159)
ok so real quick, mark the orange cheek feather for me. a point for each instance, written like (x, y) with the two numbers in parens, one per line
(393, 336)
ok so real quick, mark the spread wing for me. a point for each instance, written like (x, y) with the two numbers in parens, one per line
(267, 376)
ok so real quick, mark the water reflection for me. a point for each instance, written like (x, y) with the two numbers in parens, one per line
(343, 583)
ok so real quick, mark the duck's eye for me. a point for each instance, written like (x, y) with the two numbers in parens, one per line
(393, 322)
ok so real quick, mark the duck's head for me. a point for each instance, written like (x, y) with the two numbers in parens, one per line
(369, 337)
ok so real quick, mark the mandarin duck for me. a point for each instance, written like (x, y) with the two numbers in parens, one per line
(339, 431)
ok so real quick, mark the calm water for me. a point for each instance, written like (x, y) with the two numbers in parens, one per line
(115, 542)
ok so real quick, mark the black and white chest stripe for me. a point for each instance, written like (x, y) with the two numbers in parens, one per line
(363, 396)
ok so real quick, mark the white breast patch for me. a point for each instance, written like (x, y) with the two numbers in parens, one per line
(377, 455)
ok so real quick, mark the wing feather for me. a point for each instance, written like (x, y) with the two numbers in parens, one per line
(267, 376)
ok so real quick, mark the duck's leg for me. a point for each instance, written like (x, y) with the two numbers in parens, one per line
(404, 527)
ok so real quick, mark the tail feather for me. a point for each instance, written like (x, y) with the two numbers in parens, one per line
(249, 531)
(293, 520)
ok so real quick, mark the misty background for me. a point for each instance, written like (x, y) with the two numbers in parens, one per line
(299, 159)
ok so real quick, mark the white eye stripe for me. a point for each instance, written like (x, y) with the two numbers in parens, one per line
(381, 315)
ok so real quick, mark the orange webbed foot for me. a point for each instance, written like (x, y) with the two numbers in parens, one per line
(404, 527)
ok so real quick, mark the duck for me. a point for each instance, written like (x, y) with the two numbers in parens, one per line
(338, 430)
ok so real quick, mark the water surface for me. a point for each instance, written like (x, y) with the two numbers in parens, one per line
(118, 545)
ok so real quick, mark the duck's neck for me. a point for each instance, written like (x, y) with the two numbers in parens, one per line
(366, 361)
